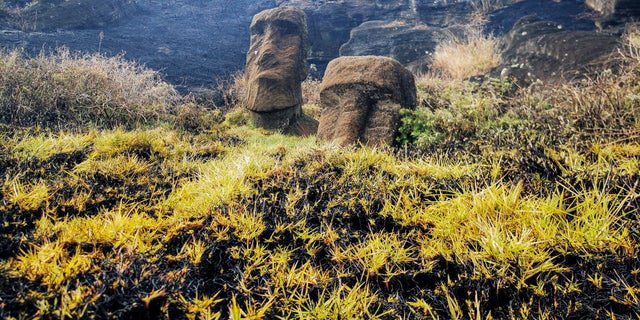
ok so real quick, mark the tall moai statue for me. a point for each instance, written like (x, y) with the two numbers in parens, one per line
(276, 67)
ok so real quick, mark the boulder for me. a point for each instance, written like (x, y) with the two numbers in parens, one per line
(361, 98)
(573, 15)
(46, 15)
(276, 67)
(411, 44)
(613, 11)
(542, 50)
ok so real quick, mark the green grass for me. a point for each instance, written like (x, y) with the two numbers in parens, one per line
(499, 203)
(141, 223)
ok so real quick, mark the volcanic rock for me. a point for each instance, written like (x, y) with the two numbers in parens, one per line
(276, 67)
(361, 98)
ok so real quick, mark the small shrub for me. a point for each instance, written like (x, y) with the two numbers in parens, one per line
(632, 39)
(65, 89)
(463, 114)
(194, 118)
(233, 90)
(237, 117)
(464, 57)
(454, 112)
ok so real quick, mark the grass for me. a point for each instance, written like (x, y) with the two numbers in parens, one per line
(502, 203)
(65, 89)
(283, 227)
(471, 54)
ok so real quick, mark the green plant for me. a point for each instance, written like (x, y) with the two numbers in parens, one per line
(238, 117)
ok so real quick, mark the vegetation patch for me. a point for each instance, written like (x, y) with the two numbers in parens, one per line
(501, 203)
(71, 89)
(282, 227)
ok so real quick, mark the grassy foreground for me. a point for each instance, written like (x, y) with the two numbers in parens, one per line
(239, 223)
(119, 198)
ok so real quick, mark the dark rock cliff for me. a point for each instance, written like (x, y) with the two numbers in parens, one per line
(191, 41)
(195, 41)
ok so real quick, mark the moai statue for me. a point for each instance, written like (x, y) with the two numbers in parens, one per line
(361, 98)
(276, 67)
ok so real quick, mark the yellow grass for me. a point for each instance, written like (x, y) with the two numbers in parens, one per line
(469, 55)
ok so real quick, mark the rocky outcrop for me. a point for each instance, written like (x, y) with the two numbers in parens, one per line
(410, 44)
(616, 10)
(195, 41)
(276, 67)
(361, 98)
(542, 50)
(331, 22)
(47, 15)
(345, 26)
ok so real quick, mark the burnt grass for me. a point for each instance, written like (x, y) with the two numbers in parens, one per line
(498, 299)
(356, 216)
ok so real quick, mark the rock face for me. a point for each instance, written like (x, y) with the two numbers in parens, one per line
(48, 15)
(276, 67)
(616, 10)
(410, 44)
(361, 98)
(195, 41)
(543, 50)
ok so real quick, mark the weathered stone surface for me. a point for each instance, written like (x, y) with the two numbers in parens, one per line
(541, 50)
(410, 44)
(195, 41)
(276, 67)
(46, 15)
(361, 98)
(620, 10)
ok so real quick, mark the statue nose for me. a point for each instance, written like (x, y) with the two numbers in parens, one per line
(266, 56)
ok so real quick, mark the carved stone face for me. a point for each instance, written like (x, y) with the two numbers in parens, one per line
(361, 98)
(277, 60)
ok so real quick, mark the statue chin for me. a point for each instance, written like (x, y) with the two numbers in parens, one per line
(271, 95)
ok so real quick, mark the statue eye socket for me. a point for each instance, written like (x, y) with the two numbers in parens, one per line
(258, 29)
(287, 27)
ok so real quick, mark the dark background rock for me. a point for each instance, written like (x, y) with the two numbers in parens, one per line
(191, 41)
(615, 11)
(410, 44)
(48, 15)
(195, 41)
(545, 51)
(571, 14)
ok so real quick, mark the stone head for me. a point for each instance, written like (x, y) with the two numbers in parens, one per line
(277, 59)
(361, 98)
